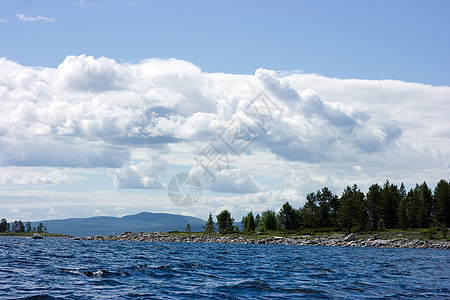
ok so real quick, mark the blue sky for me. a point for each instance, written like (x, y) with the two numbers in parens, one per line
(103, 102)
(404, 40)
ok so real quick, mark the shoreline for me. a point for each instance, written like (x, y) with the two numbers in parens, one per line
(351, 240)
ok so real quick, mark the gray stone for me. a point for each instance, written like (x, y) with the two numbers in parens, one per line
(350, 237)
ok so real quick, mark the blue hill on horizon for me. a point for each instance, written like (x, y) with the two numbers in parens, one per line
(104, 225)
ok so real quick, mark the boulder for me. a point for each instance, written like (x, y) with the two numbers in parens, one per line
(37, 236)
(351, 237)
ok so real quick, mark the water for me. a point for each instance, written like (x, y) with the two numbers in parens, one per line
(56, 268)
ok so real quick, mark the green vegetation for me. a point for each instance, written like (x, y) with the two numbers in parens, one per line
(209, 227)
(225, 222)
(18, 227)
(388, 209)
(249, 223)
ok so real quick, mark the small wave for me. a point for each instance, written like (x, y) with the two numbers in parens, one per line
(192, 265)
(302, 291)
(258, 285)
(98, 273)
(39, 297)
(163, 267)
(140, 257)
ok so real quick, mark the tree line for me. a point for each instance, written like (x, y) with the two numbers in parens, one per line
(19, 226)
(382, 207)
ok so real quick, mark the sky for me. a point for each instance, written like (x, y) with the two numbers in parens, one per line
(104, 103)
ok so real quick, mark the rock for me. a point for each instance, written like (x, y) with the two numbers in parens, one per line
(351, 237)
(37, 236)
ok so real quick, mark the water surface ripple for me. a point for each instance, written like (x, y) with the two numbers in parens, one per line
(59, 268)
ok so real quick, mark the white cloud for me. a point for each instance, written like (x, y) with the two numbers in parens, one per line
(23, 17)
(228, 179)
(34, 176)
(98, 113)
(3, 21)
(98, 212)
(144, 175)
(86, 3)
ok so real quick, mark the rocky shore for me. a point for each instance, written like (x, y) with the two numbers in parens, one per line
(351, 240)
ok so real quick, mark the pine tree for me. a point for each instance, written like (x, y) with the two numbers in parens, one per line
(373, 205)
(351, 212)
(40, 228)
(402, 213)
(390, 199)
(268, 221)
(442, 202)
(188, 228)
(28, 227)
(248, 223)
(4, 226)
(289, 217)
(414, 201)
(325, 199)
(310, 211)
(426, 210)
(225, 222)
(257, 220)
(209, 227)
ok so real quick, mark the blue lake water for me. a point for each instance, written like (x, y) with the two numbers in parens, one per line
(59, 268)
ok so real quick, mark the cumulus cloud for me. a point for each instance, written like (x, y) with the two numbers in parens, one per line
(316, 130)
(226, 180)
(96, 112)
(24, 176)
(23, 17)
(144, 175)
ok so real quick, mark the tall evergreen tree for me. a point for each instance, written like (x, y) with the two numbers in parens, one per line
(40, 228)
(268, 221)
(257, 220)
(4, 226)
(225, 222)
(426, 211)
(390, 198)
(209, 227)
(326, 201)
(17, 226)
(310, 211)
(402, 213)
(248, 222)
(373, 205)
(28, 227)
(442, 201)
(351, 212)
(413, 204)
(289, 217)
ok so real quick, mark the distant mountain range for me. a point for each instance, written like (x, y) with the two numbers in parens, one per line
(142, 222)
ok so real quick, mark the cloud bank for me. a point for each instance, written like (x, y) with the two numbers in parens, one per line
(98, 113)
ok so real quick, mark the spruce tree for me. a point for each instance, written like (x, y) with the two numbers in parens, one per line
(209, 227)
(442, 202)
(225, 222)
